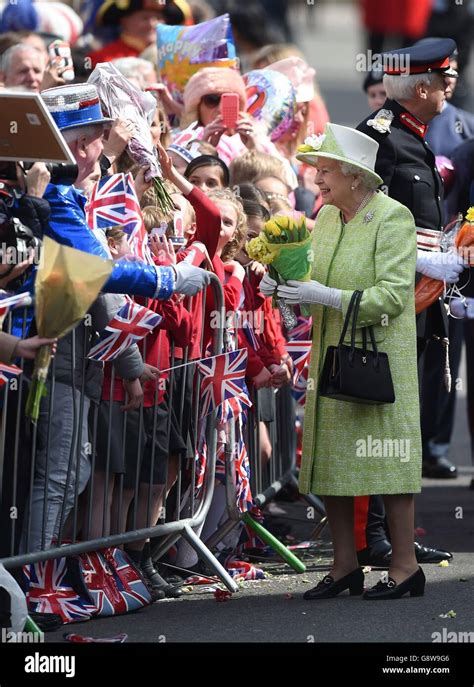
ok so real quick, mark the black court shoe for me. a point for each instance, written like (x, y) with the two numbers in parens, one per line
(415, 584)
(328, 587)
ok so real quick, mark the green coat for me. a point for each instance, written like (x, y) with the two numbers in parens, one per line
(351, 449)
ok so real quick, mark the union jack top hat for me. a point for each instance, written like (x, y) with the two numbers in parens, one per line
(74, 105)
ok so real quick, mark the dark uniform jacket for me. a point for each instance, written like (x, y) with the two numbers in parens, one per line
(407, 166)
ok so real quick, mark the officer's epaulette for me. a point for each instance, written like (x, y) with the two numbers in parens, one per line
(381, 122)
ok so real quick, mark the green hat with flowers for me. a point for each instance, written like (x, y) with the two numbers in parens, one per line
(343, 144)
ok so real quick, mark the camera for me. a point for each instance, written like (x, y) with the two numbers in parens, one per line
(17, 241)
(61, 172)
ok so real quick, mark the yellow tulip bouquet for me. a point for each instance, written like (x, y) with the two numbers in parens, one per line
(285, 246)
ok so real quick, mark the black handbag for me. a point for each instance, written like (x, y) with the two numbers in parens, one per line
(359, 375)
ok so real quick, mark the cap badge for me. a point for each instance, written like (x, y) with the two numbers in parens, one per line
(381, 122)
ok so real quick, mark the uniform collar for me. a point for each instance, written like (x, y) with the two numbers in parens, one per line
(408, 120)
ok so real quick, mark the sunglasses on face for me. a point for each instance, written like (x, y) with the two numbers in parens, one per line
(211, 99)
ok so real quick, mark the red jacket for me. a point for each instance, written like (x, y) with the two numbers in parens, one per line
(116, 49)
(155, 349)
(208, 227)
(260, 355)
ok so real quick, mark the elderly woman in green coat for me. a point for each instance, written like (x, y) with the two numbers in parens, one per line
(362, 240)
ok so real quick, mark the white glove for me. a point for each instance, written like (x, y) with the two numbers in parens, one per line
(267, 285)
(462, 307)
(190, 279)
(310, 292)
(443, 266)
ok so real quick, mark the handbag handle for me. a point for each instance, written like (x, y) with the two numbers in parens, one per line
(348, 317)
(354, 305)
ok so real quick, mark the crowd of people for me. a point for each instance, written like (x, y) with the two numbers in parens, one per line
(281, 156)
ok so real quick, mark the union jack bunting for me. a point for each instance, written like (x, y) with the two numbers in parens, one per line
(299, 352)
(50, 591)
(223, 378)
(13, 300)
(8, 372)
(113, 201)
(131, 323)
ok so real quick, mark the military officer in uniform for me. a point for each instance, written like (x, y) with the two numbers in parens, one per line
(417, 80)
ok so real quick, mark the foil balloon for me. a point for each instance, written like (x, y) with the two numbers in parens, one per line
(184, 50)
(271, 99)
(446, 171)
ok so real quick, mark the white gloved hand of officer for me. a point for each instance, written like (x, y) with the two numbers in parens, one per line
(310, 292)
(190, 279)
(267, 285)
(462, 307)
(443, 266)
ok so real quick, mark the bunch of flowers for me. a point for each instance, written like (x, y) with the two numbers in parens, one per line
(283, 245)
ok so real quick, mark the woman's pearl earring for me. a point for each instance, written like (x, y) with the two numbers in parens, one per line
(353, 187)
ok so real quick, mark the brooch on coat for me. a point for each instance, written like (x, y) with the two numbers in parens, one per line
(368, 217)
(382, 121)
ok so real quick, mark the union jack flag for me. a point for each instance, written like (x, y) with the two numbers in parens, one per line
(113, 201)
(242, 473)
(242, 570)
(201, 464)
(248, 538)
(220, 462)
(113, 583)
(50, 591)
(302, 331)
(8, 372)
(299, 387)
(299, 352)
(223, 378)
(251, 336)
(131, 323)
(13, 300)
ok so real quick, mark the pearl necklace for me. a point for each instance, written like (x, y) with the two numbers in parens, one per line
(363, 203)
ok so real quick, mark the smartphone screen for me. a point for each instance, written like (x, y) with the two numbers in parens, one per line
(230, 109)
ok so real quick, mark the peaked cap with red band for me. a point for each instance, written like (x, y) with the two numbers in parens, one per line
(425, 58)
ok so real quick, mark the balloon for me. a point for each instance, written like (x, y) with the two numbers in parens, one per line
(184, 50)
(271, 99)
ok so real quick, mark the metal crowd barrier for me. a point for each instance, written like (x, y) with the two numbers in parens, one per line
(22, 444)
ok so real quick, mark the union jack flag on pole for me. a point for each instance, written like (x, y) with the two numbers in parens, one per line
(131, 323)
(299, 352)
(8, 372)
(302, 331)
(13, 300)
(223, 377)
(113, 201)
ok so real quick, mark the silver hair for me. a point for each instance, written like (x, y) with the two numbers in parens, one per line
(8, 57)
(401, 87)
(367, 179)
(134, 68)
(89, 131)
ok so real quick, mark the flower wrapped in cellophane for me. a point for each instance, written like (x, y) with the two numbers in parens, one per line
(285, 246)
(67, 283)
(120, 98)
